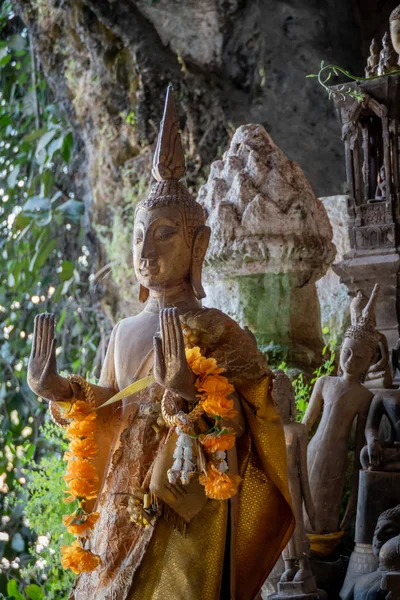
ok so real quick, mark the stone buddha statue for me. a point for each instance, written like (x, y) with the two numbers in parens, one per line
(297, 578)
(387, 56)
(394, 22)
(373, 60)
(386, 547)
(379, 374)
(380, 455)
(342, 400)
(152, 559)
(380, 192)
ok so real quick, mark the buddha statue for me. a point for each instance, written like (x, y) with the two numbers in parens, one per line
(373, 60)
(394, 22)
(143, 451)
(380, 455)
(386, 548)
(341, 399)
(379, 374)
(387, 56)
(297, 577)
(380, 192)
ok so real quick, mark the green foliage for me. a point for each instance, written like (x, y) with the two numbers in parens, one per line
(326, 72)
(302, 387)
(45, 262)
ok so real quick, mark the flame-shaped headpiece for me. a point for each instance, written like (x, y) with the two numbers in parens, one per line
(365, 327)
(168, 169)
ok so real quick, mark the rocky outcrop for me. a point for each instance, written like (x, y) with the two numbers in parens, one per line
(333, 296)
(271, 240)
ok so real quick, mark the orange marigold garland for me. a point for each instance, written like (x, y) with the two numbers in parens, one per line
(81, 478)
(214, 391)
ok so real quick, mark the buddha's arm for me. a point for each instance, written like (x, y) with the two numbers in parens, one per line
(315, 405)
(375, 415)
(359, 443)
(384, 352)
(303, 472)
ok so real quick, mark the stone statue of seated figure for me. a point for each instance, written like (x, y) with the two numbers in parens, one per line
(380, 193)
(382, 455)
(378, 374)
(386, 547)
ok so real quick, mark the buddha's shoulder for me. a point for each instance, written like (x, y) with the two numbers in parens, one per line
(235, 348)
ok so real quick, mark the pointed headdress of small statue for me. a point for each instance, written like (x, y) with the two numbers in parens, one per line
(363, 329)
(168, 168)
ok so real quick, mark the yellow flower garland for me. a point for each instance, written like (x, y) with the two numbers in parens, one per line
(214, 391)
(81, 477)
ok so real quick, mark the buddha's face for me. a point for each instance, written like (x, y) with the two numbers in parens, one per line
(395, 34)
(355, 357)
(385, 530)
(161, 254)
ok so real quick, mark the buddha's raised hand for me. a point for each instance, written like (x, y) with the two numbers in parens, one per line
(43, 378)
(170, 366)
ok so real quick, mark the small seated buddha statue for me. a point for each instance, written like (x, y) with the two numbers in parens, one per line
(373, 60)
(380, 455)
(380, 192)
(378, 374)
(386, 547)
(342, 400)
(387, 57)
(154, 480)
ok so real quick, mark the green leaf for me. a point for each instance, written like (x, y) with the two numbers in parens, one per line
(72, 208)
(312, 75)
(44, 140)
(13, 176)
(5, 60)
(34, 592)
(67, 146)
(325, 330)
(12, 590)
(42, 254)
(322, 64)
(30, 451)
(31, 137)
(5, 120)
(36, 204)
(67, 270)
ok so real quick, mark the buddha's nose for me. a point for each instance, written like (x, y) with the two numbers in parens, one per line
(148, 250)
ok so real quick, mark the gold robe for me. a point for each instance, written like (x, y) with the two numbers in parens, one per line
(230, 546)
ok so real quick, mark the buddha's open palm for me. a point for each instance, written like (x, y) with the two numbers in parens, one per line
(170, 367)
(43, 377)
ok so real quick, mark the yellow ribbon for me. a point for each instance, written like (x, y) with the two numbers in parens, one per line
(133, 388)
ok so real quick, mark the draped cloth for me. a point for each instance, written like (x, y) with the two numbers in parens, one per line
(230, 546)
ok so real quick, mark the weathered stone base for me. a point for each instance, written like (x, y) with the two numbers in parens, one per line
(362, 561)
(298, 590)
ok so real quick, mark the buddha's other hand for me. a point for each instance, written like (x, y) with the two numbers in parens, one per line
(43, 378)
(375, 453)
(170, 366)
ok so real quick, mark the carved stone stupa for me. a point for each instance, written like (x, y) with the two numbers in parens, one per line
(271, 240)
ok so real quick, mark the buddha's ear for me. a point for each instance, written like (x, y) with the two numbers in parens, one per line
(199, 249)
(143, 294)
